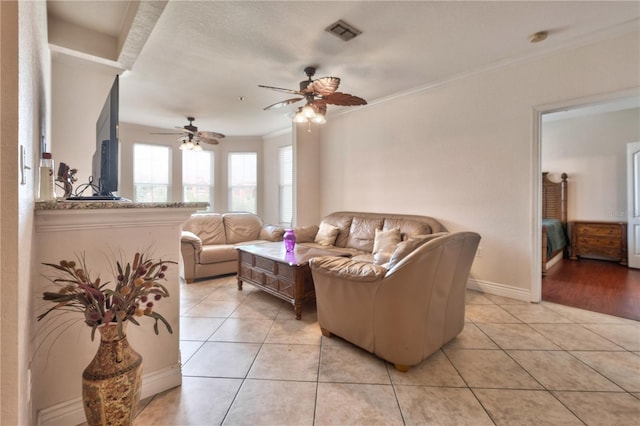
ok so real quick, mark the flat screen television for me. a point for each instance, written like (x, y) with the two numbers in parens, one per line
(105, 160)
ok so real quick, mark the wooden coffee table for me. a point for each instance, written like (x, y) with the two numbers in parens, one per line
(285, 275)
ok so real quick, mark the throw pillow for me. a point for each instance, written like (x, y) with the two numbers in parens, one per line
(384, 244)
(306, 234)
(406, 247)
(327, 234)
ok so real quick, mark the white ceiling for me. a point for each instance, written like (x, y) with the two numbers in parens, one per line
(201, 57)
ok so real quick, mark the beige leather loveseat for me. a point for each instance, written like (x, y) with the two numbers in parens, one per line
(209, 240)
(406, 298)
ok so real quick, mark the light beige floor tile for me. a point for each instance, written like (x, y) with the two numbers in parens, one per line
(500, 300)
(489, 314)
(582, 316)
(212, 308)
(477, 298)
(199, 401)
(271, 402)
(346, 363)
(222, 359)
(229, 293)
(356, 404)
(622, 368)
(188, 348)
(625, 335)
(559, 370)
(517, 336)
(525, 407)
(433, 371)
(471, 337)
(309, 312)
(294, 331)
(286, 362)
(258, 305)
(242, 330)
(575, 337)
(603, 408)
(194, 328)
(490, 369)
(422, 405)
(186, 304)
(535, 313)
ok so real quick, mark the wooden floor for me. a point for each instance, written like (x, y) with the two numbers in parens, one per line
(595, 285)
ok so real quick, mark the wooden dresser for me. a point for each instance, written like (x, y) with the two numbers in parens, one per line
(603, 239)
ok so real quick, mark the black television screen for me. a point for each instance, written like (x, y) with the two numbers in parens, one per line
(105, 159)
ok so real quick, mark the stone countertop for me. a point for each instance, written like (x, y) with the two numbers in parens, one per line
(88, 205)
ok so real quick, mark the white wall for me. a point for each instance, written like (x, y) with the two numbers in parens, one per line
(465, 152)
(79, 90)
(592, 151)
(24, 105)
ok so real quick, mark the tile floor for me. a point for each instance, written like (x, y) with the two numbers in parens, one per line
(247, 361)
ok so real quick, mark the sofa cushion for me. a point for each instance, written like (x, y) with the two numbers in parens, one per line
(208, 227)
(343, 222)
(384, 244)
(347, 268)
(218, 253)
(271, 233)
(406, 247)
(408, 228)
(327, 234)
(362, 232)
(241, 227)
(306, 234)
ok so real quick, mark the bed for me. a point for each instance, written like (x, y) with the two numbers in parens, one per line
(554, 221)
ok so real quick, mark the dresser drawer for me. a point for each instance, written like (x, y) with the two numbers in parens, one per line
(599, 230)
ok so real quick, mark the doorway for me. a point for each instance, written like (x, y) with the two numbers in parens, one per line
(587, 140)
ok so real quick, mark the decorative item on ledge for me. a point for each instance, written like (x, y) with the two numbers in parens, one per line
(289, 239)
(111, 382)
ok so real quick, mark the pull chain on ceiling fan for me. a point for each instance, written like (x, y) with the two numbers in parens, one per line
(318, 94)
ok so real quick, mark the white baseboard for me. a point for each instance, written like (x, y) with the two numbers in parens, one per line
(72, 412)
(499, 290)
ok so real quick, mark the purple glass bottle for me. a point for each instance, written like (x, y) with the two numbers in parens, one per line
(289, 239)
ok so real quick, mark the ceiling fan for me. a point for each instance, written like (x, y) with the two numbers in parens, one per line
(191, 136)
(318, 93)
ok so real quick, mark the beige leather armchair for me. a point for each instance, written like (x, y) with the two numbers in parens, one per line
(402, 314)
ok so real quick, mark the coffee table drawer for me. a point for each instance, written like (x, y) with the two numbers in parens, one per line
(258, 276)
(287, 271)
(285, 287)
(267, 265)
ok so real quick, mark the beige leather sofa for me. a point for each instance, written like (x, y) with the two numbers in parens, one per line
(209, 240)
(402, 309)
(355, 232)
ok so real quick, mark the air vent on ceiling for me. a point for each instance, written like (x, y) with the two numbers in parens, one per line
(343, 30)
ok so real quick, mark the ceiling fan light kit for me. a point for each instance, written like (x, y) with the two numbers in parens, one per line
(318, 93)
(191, 137)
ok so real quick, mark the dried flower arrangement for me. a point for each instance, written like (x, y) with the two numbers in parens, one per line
(136, 292)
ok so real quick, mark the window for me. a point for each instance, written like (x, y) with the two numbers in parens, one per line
(151, 173)
(197, 176)
(285, 186)
(243, 181)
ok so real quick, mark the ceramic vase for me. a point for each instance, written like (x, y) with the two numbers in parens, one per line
(289, 239)
(111, 382)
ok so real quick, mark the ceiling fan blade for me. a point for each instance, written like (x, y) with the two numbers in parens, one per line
(344, 99)
(323, 86)
(184, 130)
(210, 141)
(283, 103)
(279, 89)
(210, 135)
